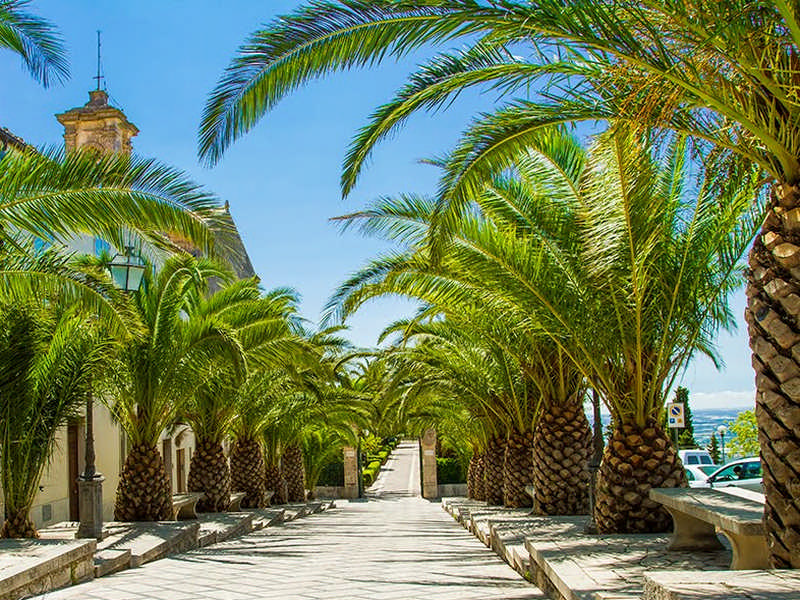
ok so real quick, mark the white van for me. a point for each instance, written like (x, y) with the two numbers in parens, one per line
(695, 457)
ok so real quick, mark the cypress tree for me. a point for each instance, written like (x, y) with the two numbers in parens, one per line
(713, 448)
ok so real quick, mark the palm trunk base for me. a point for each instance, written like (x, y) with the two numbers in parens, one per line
(209, 473)
(493, 471)
(274, 482)
(773, 319)
(636, 460)
(475, 477)
(247, 473)
(292, 463)
(143, 492)
(518, 470)
(18, 525)
(562, 447)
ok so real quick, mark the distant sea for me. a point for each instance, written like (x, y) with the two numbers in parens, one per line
(706, 421)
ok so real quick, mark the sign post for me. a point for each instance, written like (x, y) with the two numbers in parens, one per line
(675, 419)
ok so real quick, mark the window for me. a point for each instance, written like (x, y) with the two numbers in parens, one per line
(727, 474)
(689, 475)
(752, 470)
(693, 459)
(705, 460)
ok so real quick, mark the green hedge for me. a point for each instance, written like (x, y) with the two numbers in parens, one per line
(450, 470)
(332, 475)
(369, 475)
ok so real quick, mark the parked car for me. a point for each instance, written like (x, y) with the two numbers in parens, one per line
(697, 474)
(695, 457)
(744, 473)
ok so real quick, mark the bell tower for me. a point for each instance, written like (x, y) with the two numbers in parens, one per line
(97, 125)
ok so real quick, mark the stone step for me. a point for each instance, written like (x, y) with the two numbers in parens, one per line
(268, 517)
(151, 541)
(218, 527)
(30, 567)
(111, 561)
(206, 538)
(721, 585)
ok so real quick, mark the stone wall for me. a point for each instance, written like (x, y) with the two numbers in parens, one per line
(32, 567)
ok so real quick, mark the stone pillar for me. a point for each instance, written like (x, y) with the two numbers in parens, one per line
(430, 484)
(350, 472)
(90, 507)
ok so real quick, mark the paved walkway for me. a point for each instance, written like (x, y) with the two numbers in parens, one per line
(394, 547)
(399, 477)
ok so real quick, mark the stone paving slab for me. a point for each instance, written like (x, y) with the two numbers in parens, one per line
(395, 548)
(722, 585)
(400, 549)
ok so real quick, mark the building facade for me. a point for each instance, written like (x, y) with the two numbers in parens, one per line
(105, 128)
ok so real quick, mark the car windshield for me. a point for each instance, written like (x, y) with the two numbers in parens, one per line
(748, 470)
(705, 460)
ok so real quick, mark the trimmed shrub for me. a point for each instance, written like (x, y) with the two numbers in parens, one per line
(368, 475)
(450, 470)
(332, 475)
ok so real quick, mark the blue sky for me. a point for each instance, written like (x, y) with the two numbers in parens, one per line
(161, 58)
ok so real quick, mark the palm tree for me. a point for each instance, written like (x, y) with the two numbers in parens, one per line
(253, 399)
(262, 329)
(610, 257)
(52, 197)
(50, 358)
(158, 370)
(35, 40)
(454, 364)
(719, 72)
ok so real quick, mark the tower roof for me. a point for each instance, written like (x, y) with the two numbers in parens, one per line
(97, 107)
(97, 124)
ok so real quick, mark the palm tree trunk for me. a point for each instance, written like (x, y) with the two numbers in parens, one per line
(773, 293)
(475, 477)
(209, 473)
(562, 445)
(143, 492)
(18, 524)
(493, 473)
(518, 469)
(292, 463)
(274, 481)
(247, 472)
(636, 460)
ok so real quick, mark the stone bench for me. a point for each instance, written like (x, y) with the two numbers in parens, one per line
(184, 506)
(698, 512)
(236, 501)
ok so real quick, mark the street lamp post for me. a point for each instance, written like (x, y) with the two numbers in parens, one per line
(127, 271)
(722, 430)
(594, 462)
